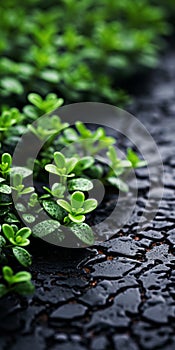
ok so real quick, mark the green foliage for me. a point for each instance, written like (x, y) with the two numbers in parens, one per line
(33, 200)
(17, 237)
(73, 174)
(63, 166)
(54, 210)
(77, 207)
(56, 191)
(48, 50)
(22, 256)
(120, 167)
(47, 105)
(12, 241)
(91, 138)
(83, 232)
(19, 283)
(134, 159)
(21, 170)
(83, 164)
(91, 142)
(8, 119)
(47, 126)
(45, 227)
(40, 106)
(46, 54)
(4, 188)
(5, 165)
(119, 183)
(82, 169)
(18, 186)
(80, 184)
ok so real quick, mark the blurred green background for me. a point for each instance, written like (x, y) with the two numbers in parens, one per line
(80, 50)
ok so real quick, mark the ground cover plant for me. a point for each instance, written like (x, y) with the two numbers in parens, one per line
(67, 201)
(122, 290)
(45, 49)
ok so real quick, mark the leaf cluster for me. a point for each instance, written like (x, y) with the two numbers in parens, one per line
(48, 50)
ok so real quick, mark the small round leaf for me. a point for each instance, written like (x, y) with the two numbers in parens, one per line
(59, 159)
(5, 189)
(24, 288)
(117, 182)
(89, 205)
(54, 210)
(83, 232)
(22, 256)
(45, 227)
(76, 218)
(80, 184)
(23, 171)
(77, 199)
(28, 218)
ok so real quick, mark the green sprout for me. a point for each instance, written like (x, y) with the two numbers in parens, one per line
(19, 187)
(47, 105)
(120, 167)
(8, 119)
(19, 283)
(17, 237)
(63, 166)
(83, 164)
(47, 126)
(56, 191)
(78, 207)
(33, 200)
(4, 188)
(16, 240)
(40, 106)
(5, 165)
(91, 142)
(134, 159)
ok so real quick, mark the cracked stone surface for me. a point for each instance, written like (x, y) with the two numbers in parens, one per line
(120, 294)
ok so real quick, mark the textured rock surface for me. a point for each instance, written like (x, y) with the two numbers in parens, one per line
(120, 294)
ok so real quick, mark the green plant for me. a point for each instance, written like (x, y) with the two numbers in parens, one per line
(33, 200)
(5, 165)
(81, 184)
(4, 188)
(91, 142)
(66, 168)
(47, 105)
(19, 283)
(119, 167)
(133, 158)
(17, 237)
(65, 202)
(56, 191)
(18, 186)
(8, 119)
(83, 164)
(47, 126)
(77, 207)
(48, 51)
(63, 166)
(16, 240)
